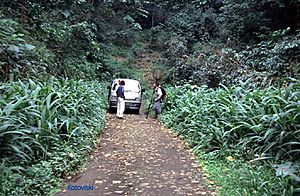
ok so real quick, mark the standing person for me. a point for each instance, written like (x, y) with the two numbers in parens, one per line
(157, 98)
(121, 100)
(116, 85)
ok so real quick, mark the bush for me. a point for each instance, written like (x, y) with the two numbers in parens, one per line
(238, 119)
(116, 69)
(277, 55)
(237, 177)
(81, 69)
(20, 54)
(270, 62)
(47, 129)
(244, 122)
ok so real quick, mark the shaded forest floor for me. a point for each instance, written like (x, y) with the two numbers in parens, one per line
(138, 156)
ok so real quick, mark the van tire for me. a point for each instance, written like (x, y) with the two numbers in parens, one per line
(137, 112)
(110, 110)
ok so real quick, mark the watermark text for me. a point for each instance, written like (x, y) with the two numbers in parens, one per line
(80, 188)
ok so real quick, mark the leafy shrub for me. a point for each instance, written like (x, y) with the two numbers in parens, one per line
(241, 121)
(39, 179)
(82, 69)
(47, 128)
(116, 69)
(125, 37)
(237, 177)
(238, 119)
(20, 54)
(236, 21)
(6, 178)
(40, 112)
(277, 56)
(239, 40)
(36, 179)
(268, 63)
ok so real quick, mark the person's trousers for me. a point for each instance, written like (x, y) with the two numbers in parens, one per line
(157, 107)
(120, 107)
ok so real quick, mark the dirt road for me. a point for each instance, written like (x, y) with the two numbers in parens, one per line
(138, 156)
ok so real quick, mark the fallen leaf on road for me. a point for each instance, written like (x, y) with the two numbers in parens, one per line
(144, 184)
(107, 155)
(98, 182)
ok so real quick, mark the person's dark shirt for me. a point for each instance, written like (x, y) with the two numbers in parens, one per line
(120, 91)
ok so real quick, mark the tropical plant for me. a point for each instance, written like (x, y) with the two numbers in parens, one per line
(47, 129)
(249, 121)
(241, 121)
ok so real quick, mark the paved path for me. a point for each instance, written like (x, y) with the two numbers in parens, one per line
(138, 156)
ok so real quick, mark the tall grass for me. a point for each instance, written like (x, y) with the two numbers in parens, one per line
(48, 124)
(241, 121)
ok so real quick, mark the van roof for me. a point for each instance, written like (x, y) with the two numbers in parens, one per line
(126, 80)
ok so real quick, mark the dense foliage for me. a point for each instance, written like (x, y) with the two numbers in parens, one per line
(71, 39)
(224, 41)
(237, 177)
(244, 122)
(47, 128)
(208, 42)
(47, 125)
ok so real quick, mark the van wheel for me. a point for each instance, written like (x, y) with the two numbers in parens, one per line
(110, 110)
(137, 112)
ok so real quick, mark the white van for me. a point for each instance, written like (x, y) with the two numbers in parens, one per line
(132, 91)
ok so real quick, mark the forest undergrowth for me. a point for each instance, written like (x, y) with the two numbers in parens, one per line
(246, 137)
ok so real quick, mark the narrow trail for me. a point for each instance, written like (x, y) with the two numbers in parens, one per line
(138, 156)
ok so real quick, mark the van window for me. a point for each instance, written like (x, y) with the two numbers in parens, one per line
(130, 86)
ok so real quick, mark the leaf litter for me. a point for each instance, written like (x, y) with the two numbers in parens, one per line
(138, 156)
